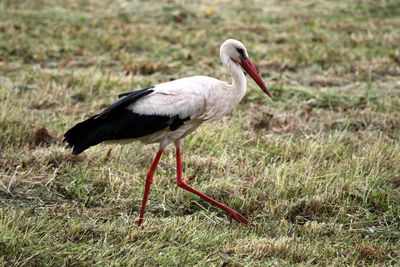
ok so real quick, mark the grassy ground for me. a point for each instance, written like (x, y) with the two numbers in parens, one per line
(317, 170)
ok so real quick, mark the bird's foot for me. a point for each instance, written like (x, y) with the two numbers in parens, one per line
(238, 217)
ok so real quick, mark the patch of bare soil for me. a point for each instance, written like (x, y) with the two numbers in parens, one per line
(42, 137)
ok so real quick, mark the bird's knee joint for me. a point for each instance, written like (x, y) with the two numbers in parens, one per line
(181, 183)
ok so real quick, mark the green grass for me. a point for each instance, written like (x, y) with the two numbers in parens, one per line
(317, 170)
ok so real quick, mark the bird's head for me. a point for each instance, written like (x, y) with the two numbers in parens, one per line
(236, 52)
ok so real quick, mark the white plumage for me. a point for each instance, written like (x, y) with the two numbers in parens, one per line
(168, 112)
(188, 97)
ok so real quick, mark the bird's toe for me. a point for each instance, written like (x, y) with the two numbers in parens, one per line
(238, 217)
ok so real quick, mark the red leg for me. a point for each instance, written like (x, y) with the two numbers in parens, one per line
(149, 180)
(181, 183)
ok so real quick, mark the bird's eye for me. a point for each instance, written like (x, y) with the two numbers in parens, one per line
(240, 51)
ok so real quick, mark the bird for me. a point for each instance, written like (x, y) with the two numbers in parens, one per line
(166, 113)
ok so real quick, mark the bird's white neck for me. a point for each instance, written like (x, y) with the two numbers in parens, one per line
(238, 85)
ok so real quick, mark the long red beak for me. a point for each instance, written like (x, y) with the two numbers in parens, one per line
(251, 70)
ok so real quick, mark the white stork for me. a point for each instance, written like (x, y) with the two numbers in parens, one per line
(168, 112)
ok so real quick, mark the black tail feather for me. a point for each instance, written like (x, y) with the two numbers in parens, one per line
(84, 135)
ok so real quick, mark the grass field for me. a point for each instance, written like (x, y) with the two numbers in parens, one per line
(317, 170)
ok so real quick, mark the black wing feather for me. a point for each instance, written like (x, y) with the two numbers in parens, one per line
(129, 98)
(117, 122)
(134, 92)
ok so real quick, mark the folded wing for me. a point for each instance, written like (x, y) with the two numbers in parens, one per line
(136, 114)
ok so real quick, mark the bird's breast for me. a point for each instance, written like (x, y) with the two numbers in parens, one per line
(220, 103)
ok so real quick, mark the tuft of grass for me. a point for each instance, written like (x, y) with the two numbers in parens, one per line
(317, 170)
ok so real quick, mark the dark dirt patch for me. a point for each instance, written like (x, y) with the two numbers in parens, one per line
(264, 122)
(42, 137)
